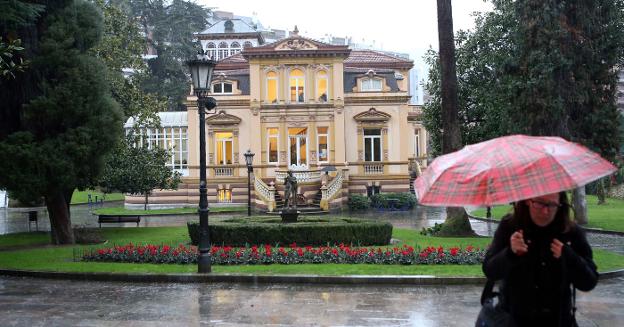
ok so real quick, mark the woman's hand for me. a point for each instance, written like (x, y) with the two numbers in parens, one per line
(556, 247)
(518, 246)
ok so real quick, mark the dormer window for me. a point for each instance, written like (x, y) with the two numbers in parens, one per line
(222, 88)
(371, 84)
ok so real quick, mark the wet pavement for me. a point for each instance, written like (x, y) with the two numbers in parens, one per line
(15, 220)
(42, 302)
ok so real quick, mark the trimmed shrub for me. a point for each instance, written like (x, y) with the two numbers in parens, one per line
(358, 202)
(393, 201)
(307, 231)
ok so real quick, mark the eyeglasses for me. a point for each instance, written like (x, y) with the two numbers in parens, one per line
(539, 205)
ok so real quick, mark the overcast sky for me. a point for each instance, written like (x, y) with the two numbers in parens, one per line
(402, 26)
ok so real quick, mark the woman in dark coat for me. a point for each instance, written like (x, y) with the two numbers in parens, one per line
(539, 253)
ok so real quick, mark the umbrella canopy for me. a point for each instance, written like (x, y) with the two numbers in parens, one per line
(508, 169)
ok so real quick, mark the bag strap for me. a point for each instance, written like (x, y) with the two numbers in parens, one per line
(573, 302)
(487, 290)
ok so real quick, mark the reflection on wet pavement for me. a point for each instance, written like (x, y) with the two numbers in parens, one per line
(41, 302)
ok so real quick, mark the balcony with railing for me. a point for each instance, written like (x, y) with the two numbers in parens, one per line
(223, 171)
(373, 169)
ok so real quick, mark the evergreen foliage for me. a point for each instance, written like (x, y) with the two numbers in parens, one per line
(168, 27)
(66, 120)
(538, 68)
(307, 231)
(138, 169)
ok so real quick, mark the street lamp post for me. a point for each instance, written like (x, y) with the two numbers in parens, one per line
(249, 161)
(201, 73)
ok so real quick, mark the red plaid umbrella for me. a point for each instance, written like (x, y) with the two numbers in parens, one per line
(508, 169)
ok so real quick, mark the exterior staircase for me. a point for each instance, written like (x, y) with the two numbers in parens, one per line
(411, 183)
(313, 208)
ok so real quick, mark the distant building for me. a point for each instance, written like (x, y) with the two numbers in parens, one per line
(228, 37)
(299, 104)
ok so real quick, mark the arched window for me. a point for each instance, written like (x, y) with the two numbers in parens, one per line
(322, 86)
(223, 50)
(297, 86)
(235, 48)
(211, 48)
(247, 44)
(271, 87)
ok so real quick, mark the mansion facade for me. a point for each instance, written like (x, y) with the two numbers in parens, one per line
(339, 118)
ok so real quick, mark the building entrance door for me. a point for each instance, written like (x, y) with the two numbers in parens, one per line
(297, 149)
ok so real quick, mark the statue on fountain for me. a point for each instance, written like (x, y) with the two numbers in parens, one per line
(290, 191)
(290, 213)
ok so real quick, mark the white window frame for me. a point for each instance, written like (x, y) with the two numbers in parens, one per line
(223, 88)
(224, 148)
(222, 51)
(318, 143)
(318, 79)
(368, 86)
(276, 79)
(372, 145)
(297, 138)
(297, 86)
(269, 137)
(174, 139)
(212, 50)
(235, 48)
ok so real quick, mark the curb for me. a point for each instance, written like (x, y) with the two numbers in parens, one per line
(362, 280)
(587, 229)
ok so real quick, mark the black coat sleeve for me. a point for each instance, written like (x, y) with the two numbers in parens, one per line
(579, 262)
(499, 259)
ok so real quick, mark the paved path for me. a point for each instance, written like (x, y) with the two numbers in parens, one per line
(41, 302)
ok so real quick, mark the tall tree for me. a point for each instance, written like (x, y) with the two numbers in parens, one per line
(136, 168)
(480, 56)
(66, 121)
(168, 27)
(565, 68)
(541, 68)
(121, 48)
(456, 222)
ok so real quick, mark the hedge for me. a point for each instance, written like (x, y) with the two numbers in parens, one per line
(307, 231)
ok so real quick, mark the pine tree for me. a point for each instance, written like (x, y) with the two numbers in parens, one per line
(67, 121)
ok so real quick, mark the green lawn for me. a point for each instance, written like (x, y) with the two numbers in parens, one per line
(609, 216)
(24, 239)
(80, 197)
(62, 258)
(174, 211)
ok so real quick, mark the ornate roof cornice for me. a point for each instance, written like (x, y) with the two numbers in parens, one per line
(372, 115)
(222, 118)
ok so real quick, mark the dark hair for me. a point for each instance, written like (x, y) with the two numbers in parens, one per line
(561, 223)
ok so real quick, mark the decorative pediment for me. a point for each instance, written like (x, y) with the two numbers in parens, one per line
(372, 115)
(295, 44)
(223, 119)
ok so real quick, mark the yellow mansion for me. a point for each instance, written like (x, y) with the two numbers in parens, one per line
(299, 105)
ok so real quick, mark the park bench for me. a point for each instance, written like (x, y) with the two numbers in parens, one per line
(118, 219)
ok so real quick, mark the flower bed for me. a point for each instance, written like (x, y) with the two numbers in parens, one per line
(266, 254)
